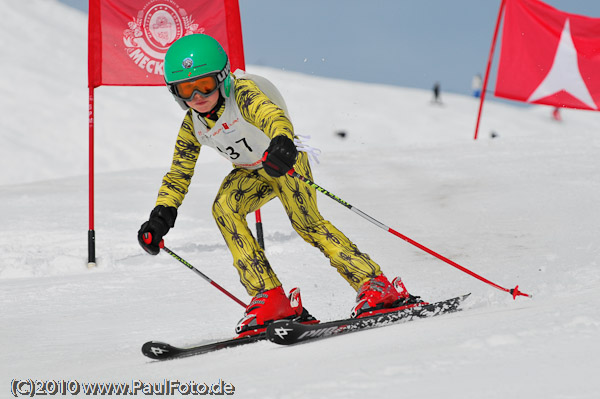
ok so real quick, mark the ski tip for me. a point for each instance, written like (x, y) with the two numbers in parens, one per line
(462, 297)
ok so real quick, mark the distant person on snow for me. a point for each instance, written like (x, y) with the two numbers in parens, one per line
(244, 118)
(436, 92)
(476, 85)
(556, 114)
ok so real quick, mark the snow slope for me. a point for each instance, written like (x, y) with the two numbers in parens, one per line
(517, 209)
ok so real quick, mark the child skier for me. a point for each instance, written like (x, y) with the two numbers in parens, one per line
(234, 116)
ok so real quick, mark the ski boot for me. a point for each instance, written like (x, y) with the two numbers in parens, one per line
(269, 306)
(378, 295)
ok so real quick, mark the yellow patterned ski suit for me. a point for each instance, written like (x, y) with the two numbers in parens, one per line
(245, 190)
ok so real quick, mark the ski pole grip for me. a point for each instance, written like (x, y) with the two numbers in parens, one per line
(147, 237)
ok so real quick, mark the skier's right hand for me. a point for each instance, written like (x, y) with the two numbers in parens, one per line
(151, 233)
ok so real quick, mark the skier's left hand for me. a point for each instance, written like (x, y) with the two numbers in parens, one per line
(280, 156)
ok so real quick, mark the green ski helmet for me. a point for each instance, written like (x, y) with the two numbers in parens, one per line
(192, 57)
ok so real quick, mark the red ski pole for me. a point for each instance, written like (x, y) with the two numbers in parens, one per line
(148, 240)
(514, 291)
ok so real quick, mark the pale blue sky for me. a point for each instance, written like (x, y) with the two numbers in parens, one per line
(401, 42)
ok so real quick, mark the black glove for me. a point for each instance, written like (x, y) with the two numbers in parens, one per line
(162, 218)
(280, 156)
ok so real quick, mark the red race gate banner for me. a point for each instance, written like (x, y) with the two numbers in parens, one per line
(128, 39)
(549, 56)
(127, 43)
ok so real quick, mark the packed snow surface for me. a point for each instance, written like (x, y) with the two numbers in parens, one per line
(517, 208)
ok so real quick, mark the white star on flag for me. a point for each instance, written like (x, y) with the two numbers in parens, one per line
(564, 73)
(548, 57)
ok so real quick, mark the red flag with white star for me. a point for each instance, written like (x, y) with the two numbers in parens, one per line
(549, 56)
(128, 39)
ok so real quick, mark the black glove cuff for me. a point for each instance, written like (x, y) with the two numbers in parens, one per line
(166, 215)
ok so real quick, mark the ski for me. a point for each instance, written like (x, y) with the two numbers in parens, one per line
(163, 351)
(287, 332)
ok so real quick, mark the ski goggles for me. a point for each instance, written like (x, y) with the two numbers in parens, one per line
(205, 86)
